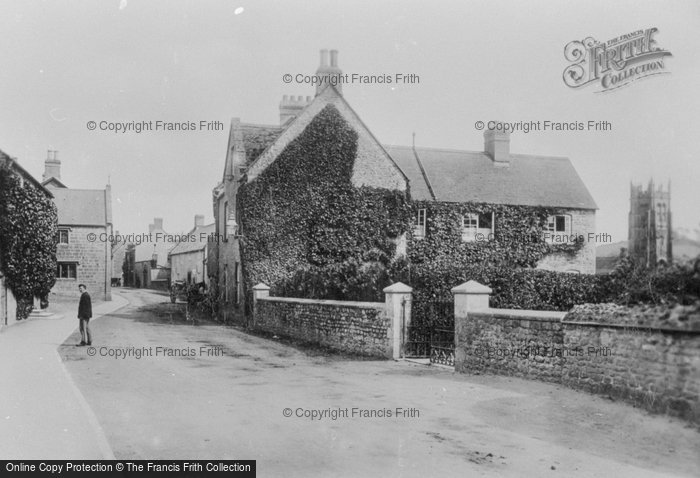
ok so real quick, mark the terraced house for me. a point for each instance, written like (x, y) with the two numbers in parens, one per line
(319, 194)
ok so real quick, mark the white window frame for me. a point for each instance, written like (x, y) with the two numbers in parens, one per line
(59, 232)
(471, 227)
(419, 227)
(555, 235)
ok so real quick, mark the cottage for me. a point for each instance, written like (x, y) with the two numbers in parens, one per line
(84, 229)
(188, 259)
(271, 199)
(147, 262)
(8, 302)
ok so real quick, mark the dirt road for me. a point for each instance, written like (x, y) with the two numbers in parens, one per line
(226, 393)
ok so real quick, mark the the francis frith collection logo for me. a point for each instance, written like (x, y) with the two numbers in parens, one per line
(615, 63)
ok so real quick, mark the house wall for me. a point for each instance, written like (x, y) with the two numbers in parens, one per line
(373, 166)
(651, 367)
(94, 263)
(181, 264)
(582, 223)
(354, 327)
(8, 305)
(232, 298)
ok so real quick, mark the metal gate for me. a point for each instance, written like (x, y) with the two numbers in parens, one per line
(430, 332)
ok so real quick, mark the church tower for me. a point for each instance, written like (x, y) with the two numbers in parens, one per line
(650, 230)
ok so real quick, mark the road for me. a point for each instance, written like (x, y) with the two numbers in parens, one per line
(228, 399)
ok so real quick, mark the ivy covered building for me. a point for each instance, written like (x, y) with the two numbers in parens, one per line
(27, 247)
(318, 207)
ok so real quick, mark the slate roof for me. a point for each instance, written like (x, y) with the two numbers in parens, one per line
(256, 139)
(80, 207)
(197, 245)
(463, 176)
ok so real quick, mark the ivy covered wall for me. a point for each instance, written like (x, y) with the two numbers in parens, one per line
(307, 231)
(28, 224)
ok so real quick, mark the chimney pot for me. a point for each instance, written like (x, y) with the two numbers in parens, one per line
(308, 99)
(198, 220)
(300, 98)
(55, 155)
(151, 227)
(48, 156)
(158, 223)
(334, 58)
(324, 58)
(285, 98)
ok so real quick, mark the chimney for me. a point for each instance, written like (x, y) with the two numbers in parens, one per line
(330, 74)
(151, 227)
(291, 107)
(158, 223)
(497, 146)
(198, 220)
(52, 166)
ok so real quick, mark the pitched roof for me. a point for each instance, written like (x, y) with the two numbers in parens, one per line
(463, 176)
(256, 139)
(81, 207)
(200, 235)
(12, 162)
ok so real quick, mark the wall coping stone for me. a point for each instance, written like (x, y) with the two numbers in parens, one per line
(261, 286)
(471, 287)
(335, 303)
(541, 315)
(398, 287)
(643, 328)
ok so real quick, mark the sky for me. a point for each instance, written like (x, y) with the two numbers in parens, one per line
(67, 63)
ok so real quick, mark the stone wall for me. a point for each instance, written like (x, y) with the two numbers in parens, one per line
(652, 367)
(353, 327)
(519, 343)
(94, 265)
(656, 368)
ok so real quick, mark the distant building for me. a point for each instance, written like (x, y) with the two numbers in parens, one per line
(119, 247)
(148, 261)
(650, 237)
(84, 225)
(188, 259)
(8, 304)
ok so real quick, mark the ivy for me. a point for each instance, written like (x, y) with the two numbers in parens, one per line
(28, 225)
(308, 231)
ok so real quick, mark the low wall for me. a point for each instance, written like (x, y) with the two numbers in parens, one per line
(520, 343)
(654, 368)
(354, 327)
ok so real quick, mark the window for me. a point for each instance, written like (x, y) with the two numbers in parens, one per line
(62, 236)
(558, 229)
(67, 270)
(419, 224)
(477, 227)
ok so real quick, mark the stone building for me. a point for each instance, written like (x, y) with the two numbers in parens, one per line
(650, 233)
(494, 175)
(84, 228)
(119, 247)
(8, 304)
(148, 261)
(188, 259)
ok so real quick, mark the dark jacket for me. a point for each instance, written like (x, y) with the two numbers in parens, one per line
(85, 306)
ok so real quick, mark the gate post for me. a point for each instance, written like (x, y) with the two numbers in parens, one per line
(397, 300)
(469, 296)
(259, 291)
